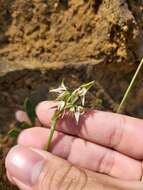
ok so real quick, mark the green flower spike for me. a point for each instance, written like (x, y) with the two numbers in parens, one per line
(68, 101)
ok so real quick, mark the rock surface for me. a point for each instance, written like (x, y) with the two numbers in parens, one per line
(72, 30)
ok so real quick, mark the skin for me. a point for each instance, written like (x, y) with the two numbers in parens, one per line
(105, 149)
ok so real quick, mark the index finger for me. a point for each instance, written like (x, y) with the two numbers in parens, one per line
(122, 133)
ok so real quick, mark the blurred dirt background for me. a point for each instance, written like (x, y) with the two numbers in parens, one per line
(43, 41)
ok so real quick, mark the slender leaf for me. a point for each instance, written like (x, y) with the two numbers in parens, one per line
(30, 110)
(14, 133)
(24, 125)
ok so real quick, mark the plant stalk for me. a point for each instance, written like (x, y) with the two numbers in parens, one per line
(53, 126)
(123, 102)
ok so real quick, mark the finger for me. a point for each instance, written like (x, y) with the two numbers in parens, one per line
(122, 133)
(37, 169)
(21, 116)
(84, 154)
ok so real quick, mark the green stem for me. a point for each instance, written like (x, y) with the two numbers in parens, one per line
(53, 127)
(122, 104)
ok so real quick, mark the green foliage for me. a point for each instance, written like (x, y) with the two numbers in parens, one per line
(24, 125)
(29, 108)
(14, 133)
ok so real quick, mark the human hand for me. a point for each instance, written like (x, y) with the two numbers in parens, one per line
(103, 142)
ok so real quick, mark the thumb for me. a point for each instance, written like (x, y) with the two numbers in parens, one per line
(33, 169)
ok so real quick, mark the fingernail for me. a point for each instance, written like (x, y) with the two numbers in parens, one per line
(24, 164)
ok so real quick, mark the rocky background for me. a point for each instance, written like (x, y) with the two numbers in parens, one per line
(57, 33)
(108, 31)
(43, 41)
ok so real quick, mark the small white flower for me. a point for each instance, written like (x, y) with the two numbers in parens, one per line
(77, 116)
(61, 105)
(61, 89)
(58, 90)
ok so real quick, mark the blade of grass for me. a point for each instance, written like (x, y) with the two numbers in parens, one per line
(14, 133)
(124, 99)
(30, 110)
(24, 125)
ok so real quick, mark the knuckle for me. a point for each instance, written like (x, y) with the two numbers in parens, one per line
(106, 162)
(63, 178)
(116, 134)
(73, 179)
